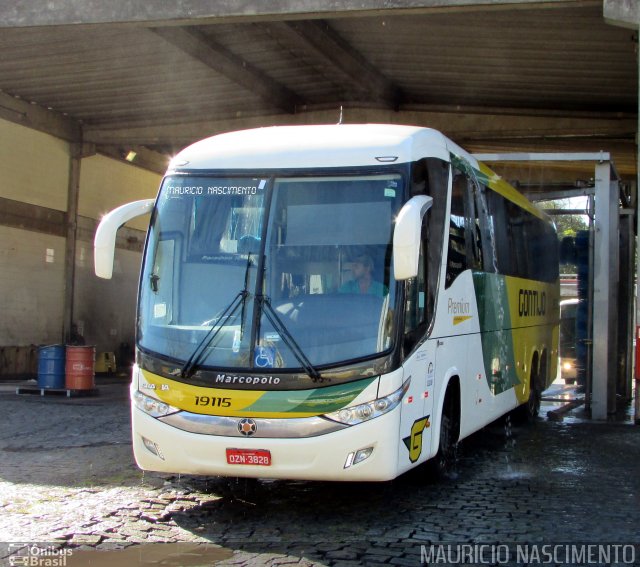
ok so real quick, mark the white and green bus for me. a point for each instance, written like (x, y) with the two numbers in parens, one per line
(337, 302)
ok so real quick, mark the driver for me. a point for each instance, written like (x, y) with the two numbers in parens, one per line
(363, 282)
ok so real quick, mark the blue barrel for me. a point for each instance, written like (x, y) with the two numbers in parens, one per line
(51, 366)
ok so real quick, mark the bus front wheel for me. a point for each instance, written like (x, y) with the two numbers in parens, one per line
(442, 466)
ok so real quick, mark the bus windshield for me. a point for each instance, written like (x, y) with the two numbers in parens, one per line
(270, 272)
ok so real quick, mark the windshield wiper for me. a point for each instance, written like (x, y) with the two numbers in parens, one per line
(196, 355)
(228, 312)
(264, 305)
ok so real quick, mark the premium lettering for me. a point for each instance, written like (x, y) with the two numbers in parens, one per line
(461, 307)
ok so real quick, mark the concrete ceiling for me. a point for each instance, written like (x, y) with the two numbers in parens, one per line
(494, 76)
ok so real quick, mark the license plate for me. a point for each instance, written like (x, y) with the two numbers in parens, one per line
(260, 457)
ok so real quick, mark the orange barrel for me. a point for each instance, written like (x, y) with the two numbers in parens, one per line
(80, 367)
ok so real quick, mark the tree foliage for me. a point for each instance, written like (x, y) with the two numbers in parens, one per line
(569, 224)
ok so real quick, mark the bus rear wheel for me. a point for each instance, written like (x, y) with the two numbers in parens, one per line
(528, 412)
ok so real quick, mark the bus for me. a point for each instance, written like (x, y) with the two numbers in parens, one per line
(333, 302)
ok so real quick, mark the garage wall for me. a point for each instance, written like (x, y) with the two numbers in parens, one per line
(34, 177)
(34, 169)
(106, 183)
(104, 310)
(31, 287)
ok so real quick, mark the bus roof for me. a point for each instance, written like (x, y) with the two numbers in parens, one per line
(332, 145)
(295, 147)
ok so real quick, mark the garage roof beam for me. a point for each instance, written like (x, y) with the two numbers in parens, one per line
(361, 79)
(28, 13)
(205, 49)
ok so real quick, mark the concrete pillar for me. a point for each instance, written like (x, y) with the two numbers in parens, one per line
(77, 152)
(605, 292)
(73, 193)
(626, 13)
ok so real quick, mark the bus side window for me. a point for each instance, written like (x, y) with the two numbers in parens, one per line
(465, 244)
(518, 238)
(485, 229)
(429, 176)
(457, 249)
(474, 224)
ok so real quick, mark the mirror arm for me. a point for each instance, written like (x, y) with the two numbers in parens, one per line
(104, 243)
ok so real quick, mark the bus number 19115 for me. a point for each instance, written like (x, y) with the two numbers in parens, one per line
(213, 401)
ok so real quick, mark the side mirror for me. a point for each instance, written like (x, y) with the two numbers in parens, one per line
(406, 237)
(104, 243)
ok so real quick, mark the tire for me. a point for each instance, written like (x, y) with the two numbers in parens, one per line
(442, 466)
(532, 407)
(528, 412)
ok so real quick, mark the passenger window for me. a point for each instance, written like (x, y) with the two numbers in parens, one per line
(457, 251)
(518, 238)
(465, 244)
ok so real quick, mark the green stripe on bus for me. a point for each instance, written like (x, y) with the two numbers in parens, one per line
(319, 400)
(495, 331)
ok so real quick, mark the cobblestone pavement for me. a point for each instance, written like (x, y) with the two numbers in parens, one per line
(68, 483)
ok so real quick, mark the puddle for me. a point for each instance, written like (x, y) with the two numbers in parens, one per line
(165, 554)
(509, 445)
(569, 469)
(512, 474)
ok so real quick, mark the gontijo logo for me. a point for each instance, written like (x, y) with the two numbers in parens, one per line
(532, 303)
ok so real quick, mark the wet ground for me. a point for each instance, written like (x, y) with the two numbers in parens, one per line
(70, 492)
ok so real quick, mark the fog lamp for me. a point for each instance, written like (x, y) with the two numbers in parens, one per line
(152, 447)
(362, 455)
(356, 457)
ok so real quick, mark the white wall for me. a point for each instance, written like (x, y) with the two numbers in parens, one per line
(104, 310)
(31, 287)
(106, 183)
(34, 169)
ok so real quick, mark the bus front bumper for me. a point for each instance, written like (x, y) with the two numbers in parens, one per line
(161, 447)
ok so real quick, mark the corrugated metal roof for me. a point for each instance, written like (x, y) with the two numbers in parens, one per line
(531, 60)
(562, 59)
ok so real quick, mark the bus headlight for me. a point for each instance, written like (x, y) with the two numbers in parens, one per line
(153, 407)
(370, 410)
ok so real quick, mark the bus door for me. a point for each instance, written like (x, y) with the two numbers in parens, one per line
(420, 366)
(417, 407)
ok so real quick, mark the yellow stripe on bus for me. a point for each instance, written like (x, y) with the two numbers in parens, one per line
(209, 400)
